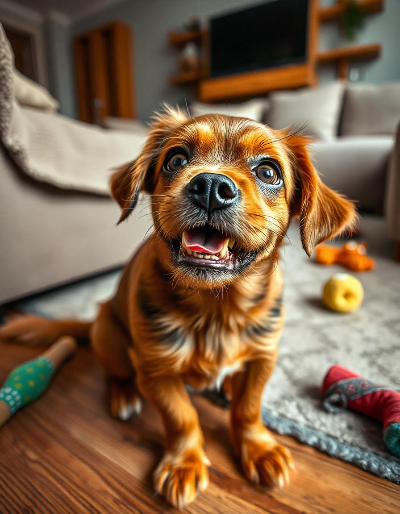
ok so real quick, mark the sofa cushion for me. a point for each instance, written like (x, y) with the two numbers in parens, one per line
(318, 109)
(30, 93)
(356, 167)
(371, 109)
(253, 109)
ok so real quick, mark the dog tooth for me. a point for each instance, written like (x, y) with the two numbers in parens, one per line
(231, 243)
(184, 240)
(189, 251)
(223, 252)
(200, 256)
(207, 256)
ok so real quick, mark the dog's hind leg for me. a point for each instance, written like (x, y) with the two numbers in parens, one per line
(110, 343)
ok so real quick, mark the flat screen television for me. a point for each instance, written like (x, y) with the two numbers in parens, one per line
(267, 35)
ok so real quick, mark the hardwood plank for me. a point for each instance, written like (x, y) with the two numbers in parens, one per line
(65, 454)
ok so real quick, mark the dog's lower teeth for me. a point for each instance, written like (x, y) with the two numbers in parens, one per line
(222, 255)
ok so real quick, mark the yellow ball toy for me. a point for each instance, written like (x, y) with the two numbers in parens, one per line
(343, 293)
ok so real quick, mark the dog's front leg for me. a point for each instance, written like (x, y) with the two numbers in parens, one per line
(263, 459)
(183, 471)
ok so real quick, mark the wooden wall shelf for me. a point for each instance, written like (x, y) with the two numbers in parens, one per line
(256, 83)
(350, 53)
(186, 78)
(180, 39)
(335, 11)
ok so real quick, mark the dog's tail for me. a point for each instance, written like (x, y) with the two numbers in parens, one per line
(36, 331)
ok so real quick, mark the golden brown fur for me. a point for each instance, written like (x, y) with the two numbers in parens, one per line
(171, 325)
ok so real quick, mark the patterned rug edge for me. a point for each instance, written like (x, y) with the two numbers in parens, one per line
(368, 461)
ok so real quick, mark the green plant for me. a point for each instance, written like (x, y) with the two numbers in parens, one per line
(352, 20)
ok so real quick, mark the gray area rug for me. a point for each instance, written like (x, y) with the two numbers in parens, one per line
(367, 342)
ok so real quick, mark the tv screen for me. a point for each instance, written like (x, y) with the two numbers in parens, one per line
(267, 35)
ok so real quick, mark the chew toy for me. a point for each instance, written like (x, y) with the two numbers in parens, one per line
(28, 381)
(352, 256)
(344, 389)
(342, 293)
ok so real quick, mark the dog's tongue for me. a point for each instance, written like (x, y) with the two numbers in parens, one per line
(205, 242)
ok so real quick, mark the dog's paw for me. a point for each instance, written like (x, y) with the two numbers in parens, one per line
(264, 460)
(179, 478)
(125, 401)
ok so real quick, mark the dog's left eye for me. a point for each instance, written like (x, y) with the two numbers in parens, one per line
(269, 172)
(175, 162)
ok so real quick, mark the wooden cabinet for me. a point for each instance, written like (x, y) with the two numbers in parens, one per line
(104, 73)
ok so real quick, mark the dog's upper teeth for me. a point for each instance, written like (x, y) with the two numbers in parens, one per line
(224, 249)
(184, 242)
(231, 243)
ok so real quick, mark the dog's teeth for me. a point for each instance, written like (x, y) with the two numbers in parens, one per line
(184, 241)
(231, 243)
(207, 257)
(200, 256)
(214, 258)
(189, 252)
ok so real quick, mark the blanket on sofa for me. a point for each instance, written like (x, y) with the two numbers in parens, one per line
(55, 149)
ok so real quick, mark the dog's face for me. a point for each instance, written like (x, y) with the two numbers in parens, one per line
(223, 191)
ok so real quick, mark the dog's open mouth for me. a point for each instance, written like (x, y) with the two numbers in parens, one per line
(207, 243)
(208, 248)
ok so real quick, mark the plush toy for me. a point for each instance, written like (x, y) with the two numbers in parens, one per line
(28, 381)
(352, 256)
(342, 293)
(342, 388)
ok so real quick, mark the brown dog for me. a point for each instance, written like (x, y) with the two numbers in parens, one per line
(201, 300)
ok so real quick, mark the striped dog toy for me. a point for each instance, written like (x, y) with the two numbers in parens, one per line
(342, 388)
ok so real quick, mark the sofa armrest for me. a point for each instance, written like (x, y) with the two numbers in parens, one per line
(392, 204)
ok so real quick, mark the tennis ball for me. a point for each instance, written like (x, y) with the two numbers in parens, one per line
(342, 293)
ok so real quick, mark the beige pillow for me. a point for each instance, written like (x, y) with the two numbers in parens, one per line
(253, 109)
(28, 92)
(125, 124)
(371, 109)
(316, 108)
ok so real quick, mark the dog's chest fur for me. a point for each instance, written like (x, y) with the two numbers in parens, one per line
(205, 338)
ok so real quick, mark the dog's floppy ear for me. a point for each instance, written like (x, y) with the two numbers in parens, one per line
(128, 180)
(323, 212)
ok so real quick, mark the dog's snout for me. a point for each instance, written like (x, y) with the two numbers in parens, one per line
(212, 191)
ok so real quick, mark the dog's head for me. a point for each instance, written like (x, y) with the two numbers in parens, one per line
(223, 191)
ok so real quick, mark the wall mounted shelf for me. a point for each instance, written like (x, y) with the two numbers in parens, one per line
(335, 11)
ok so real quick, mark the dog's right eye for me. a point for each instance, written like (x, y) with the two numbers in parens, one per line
(175, 162)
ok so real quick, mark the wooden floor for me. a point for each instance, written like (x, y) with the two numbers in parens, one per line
(64, 454)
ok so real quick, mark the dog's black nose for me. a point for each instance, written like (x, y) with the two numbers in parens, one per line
(212, 191)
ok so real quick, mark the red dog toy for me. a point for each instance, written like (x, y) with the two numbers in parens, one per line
(343, 388)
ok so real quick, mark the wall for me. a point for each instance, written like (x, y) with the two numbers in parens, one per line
(31, 22)
(60, 64)
(53, 40)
